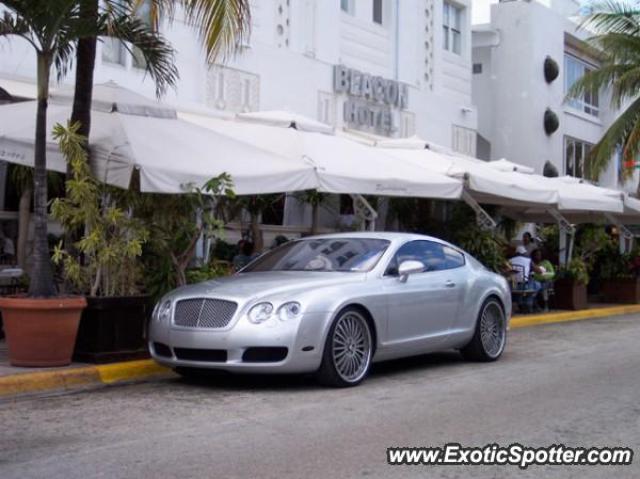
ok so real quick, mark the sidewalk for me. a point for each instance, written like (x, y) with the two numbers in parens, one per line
(15, 382)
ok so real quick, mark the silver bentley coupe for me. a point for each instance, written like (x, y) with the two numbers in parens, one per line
(332, 305)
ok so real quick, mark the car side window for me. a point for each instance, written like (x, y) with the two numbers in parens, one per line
(430, 254)
(454, 258)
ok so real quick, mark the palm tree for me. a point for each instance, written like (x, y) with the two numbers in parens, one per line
(22, 178)
(221, 24)
(53, 27)
(616, 41)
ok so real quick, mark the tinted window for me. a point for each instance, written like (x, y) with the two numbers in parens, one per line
(434, 256)
(454, 258)
(322, 254)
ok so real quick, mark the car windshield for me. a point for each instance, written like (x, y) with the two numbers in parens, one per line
(322, 254)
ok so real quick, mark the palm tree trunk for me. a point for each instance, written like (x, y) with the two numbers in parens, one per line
(315, 217)
(41, 284)
(24, 218)
(256, 232)
(85, 66)
(83, 93)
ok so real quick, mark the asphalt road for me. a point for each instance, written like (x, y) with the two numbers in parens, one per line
(572, 383)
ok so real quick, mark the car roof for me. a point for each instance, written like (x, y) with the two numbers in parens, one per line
(383, 235)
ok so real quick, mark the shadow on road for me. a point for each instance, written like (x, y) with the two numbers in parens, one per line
(212, 379)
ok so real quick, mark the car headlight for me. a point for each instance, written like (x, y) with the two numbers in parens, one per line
(163, 311)
(289, 311)
(260, 313)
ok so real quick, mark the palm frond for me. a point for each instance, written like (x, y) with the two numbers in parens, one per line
(612, 16)
(12, 24)
(604, 77)
(222, 25)
(623, 132)
(158, 54)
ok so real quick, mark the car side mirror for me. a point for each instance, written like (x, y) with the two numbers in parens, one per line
(408, 268)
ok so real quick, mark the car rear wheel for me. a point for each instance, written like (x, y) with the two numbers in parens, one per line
(347, 351)
(490, 336)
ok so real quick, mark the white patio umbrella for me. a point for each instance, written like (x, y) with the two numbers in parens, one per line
(130, 131)
(486, 184)
(508, 166)
(286, 118)
(580, 202)
(342, 165)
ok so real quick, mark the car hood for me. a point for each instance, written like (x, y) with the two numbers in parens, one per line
(254, 285)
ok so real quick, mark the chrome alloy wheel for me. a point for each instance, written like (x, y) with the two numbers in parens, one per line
(351, 346)
(493, 329)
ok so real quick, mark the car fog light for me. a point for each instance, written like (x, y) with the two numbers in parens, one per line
(289, 311)
(260, 313)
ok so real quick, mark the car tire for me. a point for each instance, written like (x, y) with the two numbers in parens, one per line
(348, 350)
(490, 335)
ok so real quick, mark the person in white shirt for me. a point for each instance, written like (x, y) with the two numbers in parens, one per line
(523, 267)
(521, 264)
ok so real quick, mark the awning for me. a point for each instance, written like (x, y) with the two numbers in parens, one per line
(486, 184)
(342, 165)
(130, 131)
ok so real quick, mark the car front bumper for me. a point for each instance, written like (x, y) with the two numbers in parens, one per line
(228, 349)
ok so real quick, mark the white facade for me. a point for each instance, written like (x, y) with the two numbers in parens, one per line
(512, 95)
(289, 59)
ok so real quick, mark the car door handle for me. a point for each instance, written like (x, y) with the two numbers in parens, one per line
(450, 284)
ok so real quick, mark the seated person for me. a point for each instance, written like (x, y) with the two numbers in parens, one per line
(547, 271)
(525, 270)
(545, 276)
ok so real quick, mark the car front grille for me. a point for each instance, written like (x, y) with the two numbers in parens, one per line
(204, 313)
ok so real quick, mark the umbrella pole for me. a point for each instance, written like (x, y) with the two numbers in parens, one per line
(566, 231)
(484, 220)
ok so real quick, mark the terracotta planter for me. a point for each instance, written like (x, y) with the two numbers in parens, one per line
(41, 332)
(113, 329)
(569, 294)
(621, 290)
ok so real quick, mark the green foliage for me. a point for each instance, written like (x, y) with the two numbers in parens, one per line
(112, 241)
(576, 270)
(590, 239)
(615, 29)
(223, 251)
(486, 246)
(215, 269)
(176, 222)
(616, 265)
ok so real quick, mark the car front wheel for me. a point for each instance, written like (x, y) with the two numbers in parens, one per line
(348, 350)
(490, 335)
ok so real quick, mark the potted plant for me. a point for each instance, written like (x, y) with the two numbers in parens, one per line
(41, 327)
(620, 277)
(107, 269)
(571, 285)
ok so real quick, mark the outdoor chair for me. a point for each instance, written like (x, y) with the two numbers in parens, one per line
(522, 294)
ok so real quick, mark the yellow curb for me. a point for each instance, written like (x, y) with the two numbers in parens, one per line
(546, 318)
(127, 371)
(67, 379)
(59, 379)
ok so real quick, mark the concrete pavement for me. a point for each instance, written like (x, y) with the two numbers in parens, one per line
(571, 383)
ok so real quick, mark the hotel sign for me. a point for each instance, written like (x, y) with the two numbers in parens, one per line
(373, 102)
